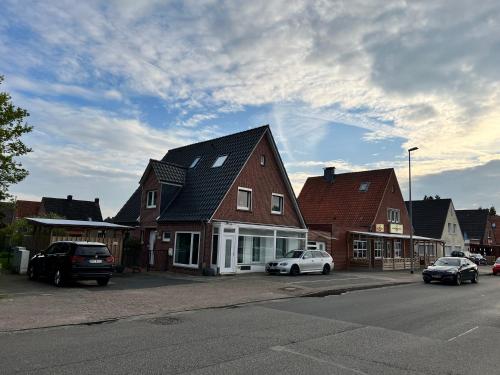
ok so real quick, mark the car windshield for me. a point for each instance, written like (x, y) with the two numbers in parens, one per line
(447, 262)
(294, 254)
(498, 260)
(92, 250)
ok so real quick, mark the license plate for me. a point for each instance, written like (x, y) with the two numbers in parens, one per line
(95, 261)
(437, 276)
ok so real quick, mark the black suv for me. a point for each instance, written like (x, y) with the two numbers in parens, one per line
(72, 260)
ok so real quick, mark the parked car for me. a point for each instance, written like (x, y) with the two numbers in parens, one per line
(460, 254)
(451, 269)
(65, 261)
(478, 259)
(302, 261)
(496, 267)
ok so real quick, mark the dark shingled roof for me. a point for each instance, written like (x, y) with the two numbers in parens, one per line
(72, 209)
(205, 187)
(429, 216)
(473, 223)
(168, 172)
(130, 212)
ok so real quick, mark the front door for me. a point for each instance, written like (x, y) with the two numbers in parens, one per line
(151, 247)
(228, 254)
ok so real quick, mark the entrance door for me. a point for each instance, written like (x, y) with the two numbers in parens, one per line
(151, 247)
(228, 254)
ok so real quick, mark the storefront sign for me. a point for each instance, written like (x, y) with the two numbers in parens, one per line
(380, 228)
(396, 228)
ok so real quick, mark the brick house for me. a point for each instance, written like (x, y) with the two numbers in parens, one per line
(225, 205)
(364, 216)
(479, 230)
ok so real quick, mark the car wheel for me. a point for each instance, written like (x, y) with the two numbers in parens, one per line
(494, 273)
(458, 279)
(427, 280)
(295, 270)
(32, 272)
(326, 269)
(475, 279)
(102, 282)
(58, 278)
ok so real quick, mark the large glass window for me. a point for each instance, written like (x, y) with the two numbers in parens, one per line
(397, 249)
(379, 245)
(187, 246)
(244, 199)
(255, 250)
(360, 250)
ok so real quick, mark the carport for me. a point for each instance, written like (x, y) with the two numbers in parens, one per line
(47, 231)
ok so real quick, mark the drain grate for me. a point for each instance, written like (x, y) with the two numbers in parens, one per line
(164, 321)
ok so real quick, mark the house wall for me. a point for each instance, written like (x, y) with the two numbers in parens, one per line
(452, 239)
(263, 180)
(148, 215)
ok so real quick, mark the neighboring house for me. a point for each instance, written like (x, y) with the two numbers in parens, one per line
(478, 229)
(436, 218)
(365, 216)
(26, 209)
(7, 211)
(225, 205)
(71, 209)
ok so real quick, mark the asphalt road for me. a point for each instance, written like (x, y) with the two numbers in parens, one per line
(411, 329)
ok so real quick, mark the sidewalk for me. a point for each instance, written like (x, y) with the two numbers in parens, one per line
(27, 305)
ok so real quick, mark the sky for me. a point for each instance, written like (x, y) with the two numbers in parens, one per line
(351, 84)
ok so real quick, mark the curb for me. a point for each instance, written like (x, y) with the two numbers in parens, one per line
(336, 292)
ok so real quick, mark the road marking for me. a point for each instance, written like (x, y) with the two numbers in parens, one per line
(283, 349)
(462, 334)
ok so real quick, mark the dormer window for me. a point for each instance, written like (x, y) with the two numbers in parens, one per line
(219, 161)
(195, 162)
(151, 199)
(364, 186)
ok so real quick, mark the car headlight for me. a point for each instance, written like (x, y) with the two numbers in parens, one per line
(284, 264)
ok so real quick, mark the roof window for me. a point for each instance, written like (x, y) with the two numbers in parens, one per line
(364, 186)
(195, 162)
(219, 161)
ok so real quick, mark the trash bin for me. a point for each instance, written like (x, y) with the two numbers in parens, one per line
(20, 261)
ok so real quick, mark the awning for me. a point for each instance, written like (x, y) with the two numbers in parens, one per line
(399, 236)
(76, 223)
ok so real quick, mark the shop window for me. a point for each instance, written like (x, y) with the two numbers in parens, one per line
(379, 245)
(397, 249)
(360, 250)
(187, 246)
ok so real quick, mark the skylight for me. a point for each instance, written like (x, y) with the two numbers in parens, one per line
(195, 161)
(220, 160)
(364, 186)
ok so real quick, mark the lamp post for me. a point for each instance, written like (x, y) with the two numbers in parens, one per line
(412, 252)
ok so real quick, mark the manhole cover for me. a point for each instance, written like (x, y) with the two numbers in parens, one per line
(164, 321)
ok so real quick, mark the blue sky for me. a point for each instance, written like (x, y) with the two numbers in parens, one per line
(110, 84)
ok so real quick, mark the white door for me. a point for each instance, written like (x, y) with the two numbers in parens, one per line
(228, 254)
(152, 240)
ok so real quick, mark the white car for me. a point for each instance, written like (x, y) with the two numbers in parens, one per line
(302, 261)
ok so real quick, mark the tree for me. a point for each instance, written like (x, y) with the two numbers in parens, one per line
(12, 127)
(493, 211)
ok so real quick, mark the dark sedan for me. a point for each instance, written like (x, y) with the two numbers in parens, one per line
(65, 261)
(451, 269)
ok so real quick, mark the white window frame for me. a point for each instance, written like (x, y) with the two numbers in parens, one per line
(394, 215)
(243, 208)
(190, 251)
(378, 251)
(398, 251)
(282, 211)
(360, 253)
(164, 238)
(154, 195)
(219, 162)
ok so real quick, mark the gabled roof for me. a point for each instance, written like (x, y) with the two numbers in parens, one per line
(26, 208)
(473, 223)
(205, 187)
(129, 213)
(341, 202)
(165, 172)
(72, 209)
(429, 216)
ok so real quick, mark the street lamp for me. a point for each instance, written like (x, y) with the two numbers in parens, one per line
(412, 252)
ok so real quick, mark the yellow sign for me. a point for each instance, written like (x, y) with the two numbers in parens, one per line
(380, 228)
(396, 228)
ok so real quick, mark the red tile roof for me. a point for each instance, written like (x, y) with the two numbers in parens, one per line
(26, 208)
(341, 202)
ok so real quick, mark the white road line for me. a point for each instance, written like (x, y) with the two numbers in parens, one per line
(283, 349)
(462, 334)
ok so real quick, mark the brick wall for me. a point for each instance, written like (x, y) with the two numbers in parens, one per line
(263, 180)
(149, 215)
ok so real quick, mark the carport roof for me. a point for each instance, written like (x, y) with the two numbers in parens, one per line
(76, 223)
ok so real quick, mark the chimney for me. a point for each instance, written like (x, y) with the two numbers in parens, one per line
(70, 197)
(96, 200)
(329, 174)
